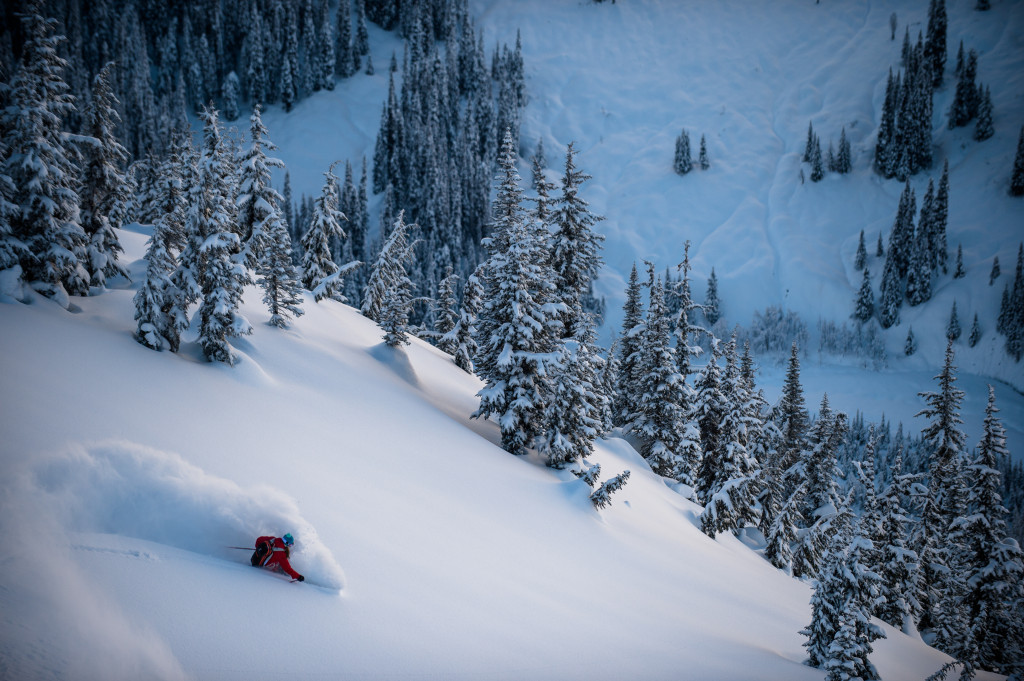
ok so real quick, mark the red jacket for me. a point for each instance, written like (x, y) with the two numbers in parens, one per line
(276, 557)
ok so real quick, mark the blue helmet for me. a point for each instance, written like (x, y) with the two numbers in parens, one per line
(288, 539)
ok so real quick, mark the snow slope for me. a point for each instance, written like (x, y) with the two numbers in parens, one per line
(129, 472)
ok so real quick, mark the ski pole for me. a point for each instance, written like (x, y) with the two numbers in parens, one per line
(241, 548)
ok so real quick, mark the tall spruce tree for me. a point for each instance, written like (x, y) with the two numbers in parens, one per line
(683, 162)
(937, 543)
(898, 565)
(711, 302)
(575, 246)
(103, 183)
(217, 250)
(630, 374)
(864, 306)
(518, 323)
(994, 564)
(1017, 176)
(41, 166)
(320, 273)
(861, 259)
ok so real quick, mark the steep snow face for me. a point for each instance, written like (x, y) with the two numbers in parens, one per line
(129, 474)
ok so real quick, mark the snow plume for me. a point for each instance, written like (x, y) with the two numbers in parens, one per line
(127, 489)
(54, 623)
(48, 603)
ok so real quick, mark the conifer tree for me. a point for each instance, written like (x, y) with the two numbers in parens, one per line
(898, 565)
(703, 156)
(518, 321)
(389, 275)
(919, 273)
(41, 169)
(630, 374)
(784, 529)
(211, 219)
(575, 246)
(103, 183)
(975, 336)
(937, 544)
(792, 414)
(910, 345)
(844, 162)
(683, 161)
(964, 107)
(861, 260)
(984, 128)
(660, 421)
(809, 144)
(879, 251)
(257, 202)
(935, 43)
(994, 274)
(959, 272)
(462, 334)
(891, 295)
(953, 330)
(1017, 177)
(817, 163)
(864, 306)
(939, 215)
(320, 273)
(447, 314)
(711, 304)
(994, 563)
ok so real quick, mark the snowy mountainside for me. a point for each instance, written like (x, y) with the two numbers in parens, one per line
(130, 473)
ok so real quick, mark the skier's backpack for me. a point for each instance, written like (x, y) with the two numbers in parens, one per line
(260, 555)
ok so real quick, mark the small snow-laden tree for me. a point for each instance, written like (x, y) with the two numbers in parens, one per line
(898, 565)
(1017, 176)
(575, 246)
(953, 330)
(161, 307)
(891, 296)
(910, 345)
(389, 274)
(864, 306)
(975, 336)
(461, 336)
(257, 201)
(42, 168)
(279, 277)
(520, 318)
(601, 497)
(783, 532)
(994, 564)
(102, 184)
(861, 260)
(388, 271)
(320, 273)
(630, 375)
(572, 415)
(230, 93)
(683, 162)
(853, 588)
(702, 157)
(711, 303)
(791, 415)
(817, 162)
(818, 463)
(844, 163)
(994, 274)
(984, 128)
(669, 443)
(216, 251)
(939, 545)
(447, 315)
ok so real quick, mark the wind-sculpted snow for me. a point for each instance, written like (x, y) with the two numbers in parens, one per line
(126, 489)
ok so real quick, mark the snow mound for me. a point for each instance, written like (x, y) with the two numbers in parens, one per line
(124, 488)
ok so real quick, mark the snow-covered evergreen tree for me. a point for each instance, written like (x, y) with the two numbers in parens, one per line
(864, 306)
(320, 273)
(910, 344)
(572, 416)
(216, 251)
(1017, 176)
(389, 274)
(41, 167)
(627, 393)
(519, 320)
(711, 302)
(702, 157)
(861, 260)
(575, 246)
(975, 335)
(953, 330)
(994, 273)
(103, 183)
(891, 294)
(994, 564)
(257, 201)
(683, 162)
(462, 335)
(898, 565)
(938, 543)
(984, 128)
(667, 444)
(844, 162)
(792, 414)
(817, 162)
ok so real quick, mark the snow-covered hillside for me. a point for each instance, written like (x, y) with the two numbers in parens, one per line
(128, 473)
(429, 551)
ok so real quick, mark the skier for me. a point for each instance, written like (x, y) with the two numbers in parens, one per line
(273, 552)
